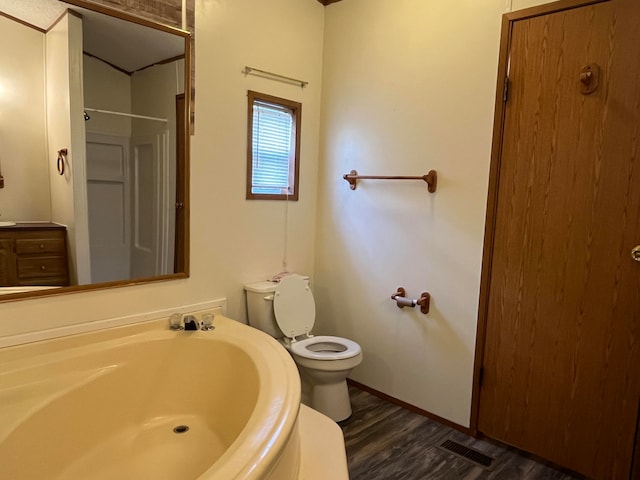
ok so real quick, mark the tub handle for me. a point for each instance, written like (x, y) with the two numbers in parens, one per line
(269, 298)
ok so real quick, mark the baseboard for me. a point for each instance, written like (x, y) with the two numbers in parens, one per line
(408, 406)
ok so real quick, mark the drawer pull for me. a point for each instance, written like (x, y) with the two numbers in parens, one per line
(41, 246)
(43, 268)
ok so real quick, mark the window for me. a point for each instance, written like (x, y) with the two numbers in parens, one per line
(273, 147)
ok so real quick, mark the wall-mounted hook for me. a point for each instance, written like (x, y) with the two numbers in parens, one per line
(589, 78)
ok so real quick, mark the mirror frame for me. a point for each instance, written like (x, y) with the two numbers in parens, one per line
(182, 180)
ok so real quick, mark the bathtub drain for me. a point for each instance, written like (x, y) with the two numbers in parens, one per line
(181, 429)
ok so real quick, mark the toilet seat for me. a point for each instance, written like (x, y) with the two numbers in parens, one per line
(293, 306)
(295, 313)
(325, 347)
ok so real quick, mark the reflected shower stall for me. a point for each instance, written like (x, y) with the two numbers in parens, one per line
(131, 165)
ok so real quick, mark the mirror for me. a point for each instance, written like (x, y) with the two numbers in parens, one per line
(94, 137)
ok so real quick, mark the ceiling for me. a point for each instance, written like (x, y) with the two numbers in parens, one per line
(40, 13)
(125, 45)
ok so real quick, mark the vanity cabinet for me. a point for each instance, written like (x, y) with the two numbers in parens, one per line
(6, 264)
(34, 254)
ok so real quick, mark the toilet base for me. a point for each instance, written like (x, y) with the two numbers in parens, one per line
(329, 398)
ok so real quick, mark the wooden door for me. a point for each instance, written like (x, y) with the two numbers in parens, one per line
(561, 319)
(109, 204)
(148, 162)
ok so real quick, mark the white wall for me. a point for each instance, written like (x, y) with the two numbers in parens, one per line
(232, 240)
(242, 241)
(58, 118)
(520, 4)
(23, 149)
(78, 150)
(106, 88)
(153, 93)
(408, 86)
(65, 129)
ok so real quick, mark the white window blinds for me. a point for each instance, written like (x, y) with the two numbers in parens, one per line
(273, 149)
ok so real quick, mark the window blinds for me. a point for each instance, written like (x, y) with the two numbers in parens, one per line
(273, 134)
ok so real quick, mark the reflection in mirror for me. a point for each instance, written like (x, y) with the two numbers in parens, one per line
(93, 148)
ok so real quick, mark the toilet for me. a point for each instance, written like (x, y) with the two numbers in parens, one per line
(286, 311)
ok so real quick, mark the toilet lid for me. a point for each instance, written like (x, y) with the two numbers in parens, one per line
(293, 306)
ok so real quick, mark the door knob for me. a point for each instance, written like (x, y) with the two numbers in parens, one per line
(635, 253)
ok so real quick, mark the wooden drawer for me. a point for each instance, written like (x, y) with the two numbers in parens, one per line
(42, 266)
(34, 254)
(27, 246)
(43, 281)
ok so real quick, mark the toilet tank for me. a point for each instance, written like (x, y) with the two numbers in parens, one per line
(260, 307)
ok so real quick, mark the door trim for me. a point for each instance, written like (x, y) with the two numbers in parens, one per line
(508, 20)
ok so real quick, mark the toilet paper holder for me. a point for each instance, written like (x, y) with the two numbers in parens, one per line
(401, 300)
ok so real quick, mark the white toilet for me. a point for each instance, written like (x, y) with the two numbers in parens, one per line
(286, 311)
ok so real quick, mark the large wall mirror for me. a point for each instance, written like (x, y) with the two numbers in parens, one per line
(94, 148)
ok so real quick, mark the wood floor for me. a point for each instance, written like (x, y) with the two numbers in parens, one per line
(387, 442)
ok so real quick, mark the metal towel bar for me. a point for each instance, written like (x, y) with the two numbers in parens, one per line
(430, 178)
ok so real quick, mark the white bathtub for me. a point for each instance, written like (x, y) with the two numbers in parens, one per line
(144, 402)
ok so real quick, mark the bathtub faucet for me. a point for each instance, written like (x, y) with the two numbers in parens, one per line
(191, 323)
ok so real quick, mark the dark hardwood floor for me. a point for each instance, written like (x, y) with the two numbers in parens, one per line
(387, 442)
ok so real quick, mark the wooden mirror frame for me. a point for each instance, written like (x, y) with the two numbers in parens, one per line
(182, 178)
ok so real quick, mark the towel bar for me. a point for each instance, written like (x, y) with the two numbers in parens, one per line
(431, 178)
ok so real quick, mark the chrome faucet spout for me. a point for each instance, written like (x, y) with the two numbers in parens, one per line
(191, 323)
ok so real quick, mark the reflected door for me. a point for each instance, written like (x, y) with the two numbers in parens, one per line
(149, 252)
(109, 204)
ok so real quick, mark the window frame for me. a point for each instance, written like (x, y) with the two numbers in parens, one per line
(296, 110)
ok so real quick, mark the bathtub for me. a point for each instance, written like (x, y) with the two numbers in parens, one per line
(142, 402)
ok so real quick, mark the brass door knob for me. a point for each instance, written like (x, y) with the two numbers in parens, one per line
(635, 253)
